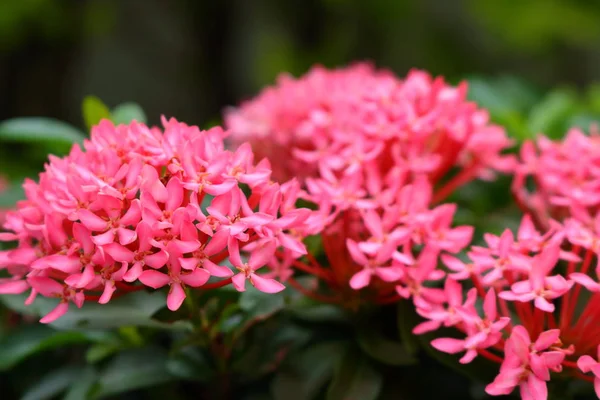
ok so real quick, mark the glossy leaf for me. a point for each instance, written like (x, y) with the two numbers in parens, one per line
(133, 309)
(31, 339)
(550, 115)
(260, 305)
(128, 112)
(304, 376)
(81, 388)
(52, 384)
(354, 378)
(384, 350)
(94, 111)
(38, 129)
(134, 369)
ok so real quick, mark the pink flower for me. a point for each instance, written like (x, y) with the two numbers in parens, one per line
(258, 259)
(527, 365)
(588, 364)
(540, 287)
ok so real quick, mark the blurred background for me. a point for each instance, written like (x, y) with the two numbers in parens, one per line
(191, 58)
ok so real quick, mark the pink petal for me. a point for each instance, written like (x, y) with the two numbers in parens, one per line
(157, 260)
(291, 243)
(546, 339)
(585, 281)
(544, 304)
(217, 270)
(175, 194)
(448, 345)
(239, 282)
(585, 363)
(176, 297)
(361, 279)
(266, 285)
(126, 236)
(196, 278)
(91, 221)
(46, 286)
(262, 256)
(133, 273)
(217, 243)
(154, 279)
(104, 238)
(489, 305)
(118, 252)
(109, 289)
(389, 274)
(10, 286)
(60, 310)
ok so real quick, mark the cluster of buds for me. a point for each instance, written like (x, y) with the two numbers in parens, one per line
(139, 207)
(375, 154)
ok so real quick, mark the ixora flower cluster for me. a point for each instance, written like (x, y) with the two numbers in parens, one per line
(376, 154)
(139, 207)
(540, 290)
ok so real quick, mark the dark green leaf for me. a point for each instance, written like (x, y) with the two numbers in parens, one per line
(134, 369)
(260, 305)
(53, 383)
(405, 326)
(101, 351)
(373, 343)
(94, 111)
(128, 112)
(38, 129)
(81, 388)
(134, 309)
(354, 379)
(303, 378)
(190, 363)
(31, 339)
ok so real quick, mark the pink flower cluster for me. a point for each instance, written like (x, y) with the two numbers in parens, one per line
(361, 121)
(375, 154)
(520, 288)
(565, 174)
(140, 208)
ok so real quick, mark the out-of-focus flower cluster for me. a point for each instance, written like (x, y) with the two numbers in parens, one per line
(554, 177)
(139, 207)
(375, 154)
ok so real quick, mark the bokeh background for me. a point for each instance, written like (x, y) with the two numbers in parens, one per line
(191, 58)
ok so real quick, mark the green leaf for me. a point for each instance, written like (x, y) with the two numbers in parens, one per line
(31, 339)
(405, 326)
(38, 129)
(260, 305)
(373, 343)
(133, 309)
(101, 351)
(354, 378)
(10, 196)
(134, 369)
(80, 389)
(52, 384)
(128, 112)
(191, 364)
(550, 115)
(94, 111)
(303, 378)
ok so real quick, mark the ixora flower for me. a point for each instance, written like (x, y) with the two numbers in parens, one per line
(376, 154)
(531, 304)
(565, 175)
(138, 207)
